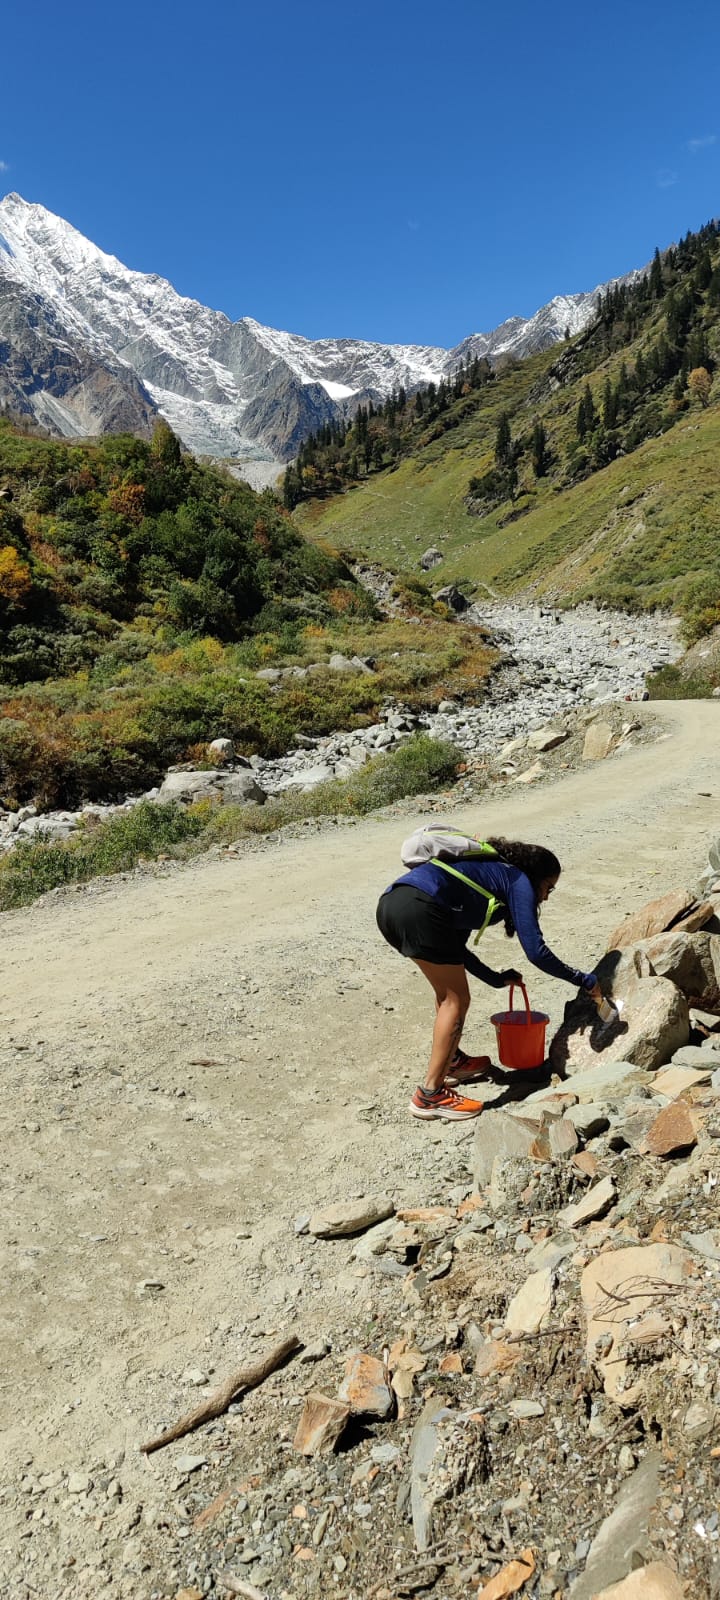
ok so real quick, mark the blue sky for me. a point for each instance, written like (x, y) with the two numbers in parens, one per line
(406, 172)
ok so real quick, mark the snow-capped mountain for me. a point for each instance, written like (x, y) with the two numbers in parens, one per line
(89, 346)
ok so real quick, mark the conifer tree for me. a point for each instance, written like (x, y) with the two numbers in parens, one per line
(610, 405)
(703, 272)
(291, 488)
(540, 452)
(503, 440)
(697, 351)
(655, 281)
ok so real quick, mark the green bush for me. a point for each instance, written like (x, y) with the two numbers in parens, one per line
(668, 683)
(34, 866)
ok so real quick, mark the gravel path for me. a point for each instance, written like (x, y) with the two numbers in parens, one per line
(192, 1057)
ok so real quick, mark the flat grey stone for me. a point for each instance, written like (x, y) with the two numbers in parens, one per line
(704, 1244)
(589, 1119)
(424, 1447)
(79, 1483)
(524, 1409)
(599, 1082)
(349, 1217)
(704, 1058)
(551, 1252)
(187, 1464)
(621, 1541)
(498, 1134)
(593, 1204)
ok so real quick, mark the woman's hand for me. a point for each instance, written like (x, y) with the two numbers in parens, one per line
(510, 976)
(595, 993)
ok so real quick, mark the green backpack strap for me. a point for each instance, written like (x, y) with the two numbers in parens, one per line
(493, 904)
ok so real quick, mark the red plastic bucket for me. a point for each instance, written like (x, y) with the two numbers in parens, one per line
(520, 1035)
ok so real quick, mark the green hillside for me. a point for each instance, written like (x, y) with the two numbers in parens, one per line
(590, 471)
(141, 593)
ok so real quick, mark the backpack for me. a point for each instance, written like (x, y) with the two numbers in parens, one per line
(441, 846)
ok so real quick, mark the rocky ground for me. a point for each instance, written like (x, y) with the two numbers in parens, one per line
(196, 1062)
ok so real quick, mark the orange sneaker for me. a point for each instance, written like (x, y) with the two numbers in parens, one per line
(444, 1103)
(467, 1069)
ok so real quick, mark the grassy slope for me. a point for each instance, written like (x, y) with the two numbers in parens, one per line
(640, 532)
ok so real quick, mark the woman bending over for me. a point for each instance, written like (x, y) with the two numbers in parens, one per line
(428, 915)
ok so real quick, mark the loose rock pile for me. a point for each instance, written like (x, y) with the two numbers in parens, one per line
(533, 1404)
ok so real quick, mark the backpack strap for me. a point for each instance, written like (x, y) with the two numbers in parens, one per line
(493, 904)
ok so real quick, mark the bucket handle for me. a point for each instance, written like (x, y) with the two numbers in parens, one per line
(528, 1013)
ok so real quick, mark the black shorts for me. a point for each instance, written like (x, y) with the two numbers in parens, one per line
(415, 925)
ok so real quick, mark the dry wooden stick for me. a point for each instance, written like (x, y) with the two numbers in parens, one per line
(217, 1403)
(610, 1438)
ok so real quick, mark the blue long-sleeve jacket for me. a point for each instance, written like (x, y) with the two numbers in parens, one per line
(467, 909)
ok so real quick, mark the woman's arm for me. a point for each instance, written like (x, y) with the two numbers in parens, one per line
(496, 980)
(523, 908)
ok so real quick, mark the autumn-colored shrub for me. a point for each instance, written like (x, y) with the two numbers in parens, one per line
(15, 577)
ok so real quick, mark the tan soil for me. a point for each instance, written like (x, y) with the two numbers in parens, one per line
(192, 1057)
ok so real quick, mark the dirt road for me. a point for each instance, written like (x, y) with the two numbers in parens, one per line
(192, 1057)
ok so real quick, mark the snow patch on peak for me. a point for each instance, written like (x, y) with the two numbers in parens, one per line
(336, 391)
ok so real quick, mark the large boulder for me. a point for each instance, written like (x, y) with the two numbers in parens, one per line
(689, 960)
(224, 750)
(453, 598)
(308, 777)
(677, 908)
(189, 786)
(618, 1288)
(240, 788)
(653, 1024)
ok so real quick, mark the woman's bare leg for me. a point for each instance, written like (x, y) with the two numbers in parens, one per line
(452, 998)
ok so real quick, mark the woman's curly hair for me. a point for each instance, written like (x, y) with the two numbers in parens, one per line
(533, 859)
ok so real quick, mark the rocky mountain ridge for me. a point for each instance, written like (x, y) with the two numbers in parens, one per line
(89, 346)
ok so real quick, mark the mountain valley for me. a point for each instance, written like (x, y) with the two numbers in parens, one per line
(74, 322)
